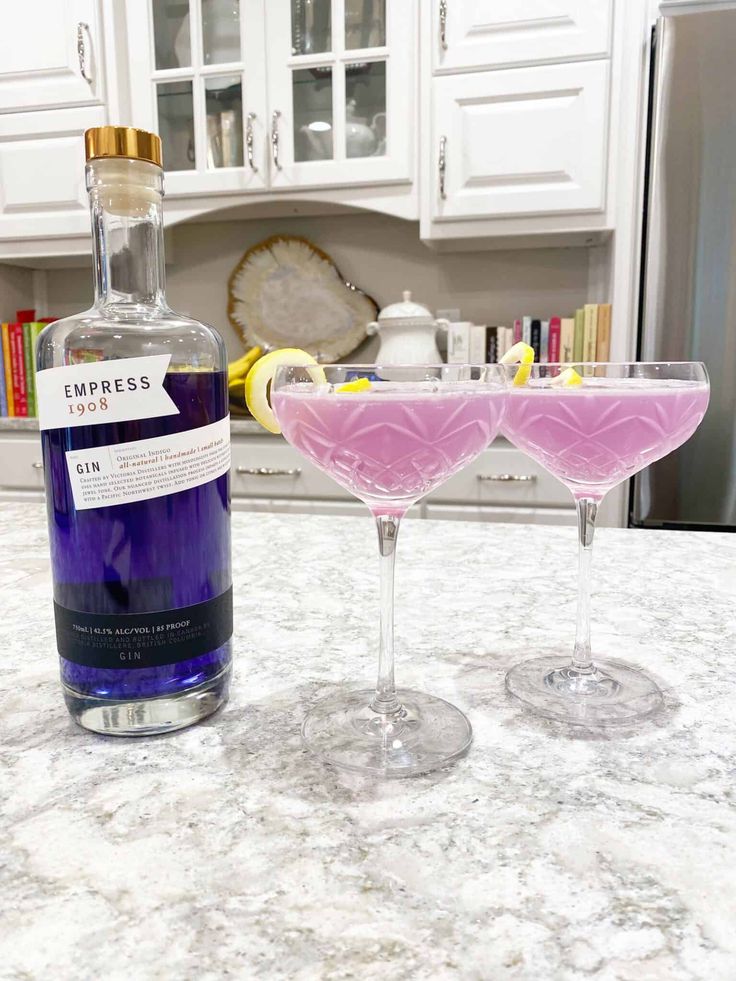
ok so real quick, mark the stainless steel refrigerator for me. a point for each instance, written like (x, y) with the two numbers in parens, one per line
(688, 295)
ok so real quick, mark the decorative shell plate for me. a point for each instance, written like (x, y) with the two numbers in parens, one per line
(285, 292)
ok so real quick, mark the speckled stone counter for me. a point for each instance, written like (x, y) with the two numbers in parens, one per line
(225, 851)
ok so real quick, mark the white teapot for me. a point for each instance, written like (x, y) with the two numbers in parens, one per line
(408, 333)
(360, 138)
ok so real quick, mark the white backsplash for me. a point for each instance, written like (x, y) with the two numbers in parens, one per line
(381, 255)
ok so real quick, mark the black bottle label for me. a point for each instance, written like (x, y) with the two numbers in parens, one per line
(144, 640)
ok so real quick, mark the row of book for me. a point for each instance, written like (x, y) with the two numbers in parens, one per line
(584, 337)
(18, 366)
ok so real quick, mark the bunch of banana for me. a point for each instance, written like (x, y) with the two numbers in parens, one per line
(237, 370)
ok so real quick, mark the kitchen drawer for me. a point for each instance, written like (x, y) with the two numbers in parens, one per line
(504, 476)
(516, 516)
(267, 468)
(270, 505)
(21, 464)
(502, 33)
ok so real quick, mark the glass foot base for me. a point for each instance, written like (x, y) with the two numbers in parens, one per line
(613, 694)
(425, 734)
(148, 716)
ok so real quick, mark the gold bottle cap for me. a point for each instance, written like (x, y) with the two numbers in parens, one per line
(122, 141)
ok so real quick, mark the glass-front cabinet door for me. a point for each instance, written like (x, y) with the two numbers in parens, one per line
(341, 90)
(198, 79)
(286, 94)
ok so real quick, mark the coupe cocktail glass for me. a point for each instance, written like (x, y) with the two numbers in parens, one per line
(389, 445)
(591, 437)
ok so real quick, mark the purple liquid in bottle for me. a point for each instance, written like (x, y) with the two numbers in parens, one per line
(143, 557)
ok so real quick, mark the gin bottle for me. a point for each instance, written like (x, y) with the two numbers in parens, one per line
(133, 410)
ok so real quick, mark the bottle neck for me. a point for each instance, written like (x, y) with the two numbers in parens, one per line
(127, 236)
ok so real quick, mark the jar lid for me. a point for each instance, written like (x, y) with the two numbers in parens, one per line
(406, 310)
(122, 141)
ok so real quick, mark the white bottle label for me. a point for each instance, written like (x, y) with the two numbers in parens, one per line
(103, 391)
(140, 470)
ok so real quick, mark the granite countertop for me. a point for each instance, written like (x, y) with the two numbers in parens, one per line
(227, 851)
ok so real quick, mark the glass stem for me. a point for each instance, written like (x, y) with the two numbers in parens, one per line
(385, 700)
(587, 509)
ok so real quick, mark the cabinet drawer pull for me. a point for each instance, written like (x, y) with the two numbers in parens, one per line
(275, 138)
(503, 478)
(443, 165)
(443, 24)
(82, 29)
(250, 119)
(268, 471)
(36, 465)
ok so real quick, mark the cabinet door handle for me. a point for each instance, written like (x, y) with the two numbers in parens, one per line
(82, 29)
(443, 165)
(504, 478)
(269, 471)
(36, 465)
(251, 118)
(443, 24)
(275, 138)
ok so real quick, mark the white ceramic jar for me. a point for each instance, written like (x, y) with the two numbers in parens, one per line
(408, 333)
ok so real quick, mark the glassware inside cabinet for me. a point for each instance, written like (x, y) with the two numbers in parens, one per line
(311, 26)
(365, 23)
(220, 31)
(176, 123)
(171, 34)
(224, 105)
(365, 109)
(312, 89)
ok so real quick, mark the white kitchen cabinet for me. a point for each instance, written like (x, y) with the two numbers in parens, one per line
(52, 87)
(198, 79)
(340, 91)
(502, 476)
(337, 508)
(505, 515)
(42, 190)
(263, 467)
(476, 34)
(285, 95)
(523, 141)
(261, 100)
(50, 55)
(22, 464)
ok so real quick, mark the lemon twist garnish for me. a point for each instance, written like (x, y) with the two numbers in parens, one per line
(261, 375)
(523, 355)
(568, 378)
(357, 385)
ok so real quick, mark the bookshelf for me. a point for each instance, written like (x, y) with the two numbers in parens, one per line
(18, 339)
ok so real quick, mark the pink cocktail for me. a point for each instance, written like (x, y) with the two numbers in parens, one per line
(396, 442)
(592, 436)
(389, 435)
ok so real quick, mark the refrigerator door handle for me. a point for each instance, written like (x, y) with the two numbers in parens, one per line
(655, 244)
